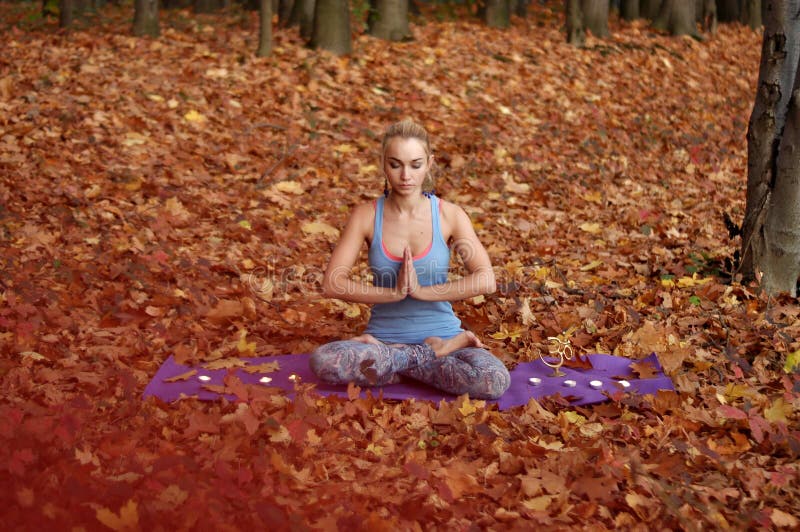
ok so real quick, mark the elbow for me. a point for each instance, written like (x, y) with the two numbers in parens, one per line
(330, 290)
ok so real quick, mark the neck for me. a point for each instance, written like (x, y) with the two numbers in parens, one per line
(407, 204)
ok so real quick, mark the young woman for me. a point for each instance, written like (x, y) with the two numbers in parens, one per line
(412, 331)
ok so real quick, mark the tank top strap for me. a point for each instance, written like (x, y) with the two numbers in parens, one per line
(377, 226)
(436, 213)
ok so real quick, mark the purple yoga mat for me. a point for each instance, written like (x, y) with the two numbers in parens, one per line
(607, 369)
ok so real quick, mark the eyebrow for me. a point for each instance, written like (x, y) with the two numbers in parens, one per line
(419, 159)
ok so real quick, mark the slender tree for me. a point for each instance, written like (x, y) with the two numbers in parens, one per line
(649, 8)
(751, 13)
(145, 18)
(388, 19)
(303, 16)
(771, 226)
(265, 29)
(582, 15)
(66, 8)
(332, 26)
(576, 33)
(678, 17)
(498, 13)
(729, 10)
(629, 9)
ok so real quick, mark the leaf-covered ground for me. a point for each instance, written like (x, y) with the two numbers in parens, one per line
(180, 197)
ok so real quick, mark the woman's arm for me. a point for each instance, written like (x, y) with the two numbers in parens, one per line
(337, 282)
(480, 278)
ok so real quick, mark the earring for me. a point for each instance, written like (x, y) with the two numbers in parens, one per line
(385, 187)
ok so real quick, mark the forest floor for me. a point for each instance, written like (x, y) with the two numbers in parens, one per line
(181, 197)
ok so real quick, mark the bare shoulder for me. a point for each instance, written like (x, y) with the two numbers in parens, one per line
(362, 216)
(453, 214)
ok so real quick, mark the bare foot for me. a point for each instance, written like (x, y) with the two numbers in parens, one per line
(365, 339)
(443, 348)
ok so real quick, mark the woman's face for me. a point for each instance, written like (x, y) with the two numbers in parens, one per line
(405, 164)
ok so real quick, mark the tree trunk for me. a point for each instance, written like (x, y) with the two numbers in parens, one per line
(332, 26)
(520, 8)
(265, 29)
(771, 226)
(388, 20)
(576, 34)
(65, 13)
(629, 9)
(498, 13)
(728, 10)
(145, 18)
(677, 17)
(285, 8)
(751, 14)
(303, 16)
(649, 8)
(207, 6)
(595, 17)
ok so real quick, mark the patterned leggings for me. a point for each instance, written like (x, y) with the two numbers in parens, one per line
(470, 370)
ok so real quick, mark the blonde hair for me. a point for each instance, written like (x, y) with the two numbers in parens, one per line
(408, 129)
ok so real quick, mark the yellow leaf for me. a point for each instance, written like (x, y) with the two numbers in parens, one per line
(291, 187)
(134, 139)
(33, 355)
(155, 97)
(345, 148)
(591, 266)
(590, 227)
(505, 110)
(444, 100)
(315, 228)
(245, 224)
(539, 504)
(595, 197)
(792, 362)
(778, 411)
(504, 333)
(667, 283)
(375, 449)
(467, 408)
(687, 282)
(194, 116)
(574, 417)
(245, 348)
(128, 518)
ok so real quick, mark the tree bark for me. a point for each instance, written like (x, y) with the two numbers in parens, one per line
(649, 8)
(576, 34)
(145, 18)
(332, 27)
(388, 20)
(498, 13)
(595, 17)
(303, 16)
(265, 29)
(629, 9)
(677, 17)
(207, 6)
(771, 226)
(728, 10)
(65, 13)
(751, 14)
(285, 8)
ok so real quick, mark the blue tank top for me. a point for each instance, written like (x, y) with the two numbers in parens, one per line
(410, 320)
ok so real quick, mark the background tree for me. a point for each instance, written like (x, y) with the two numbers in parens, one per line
(265, 29)
(751, 14)
(771, 226)
(576, 33)
(332, 26)
(582, 15)
(498, 13)
(728, 10)
(388, 19)
(649, 8)
(303, 16)
(629, 9)
(65, 8)
(208, 6)
(145, 18)
(678, 17)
